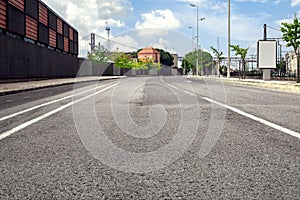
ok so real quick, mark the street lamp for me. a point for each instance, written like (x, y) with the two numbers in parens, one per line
(228, 68)
(197, 42)
(193, 47)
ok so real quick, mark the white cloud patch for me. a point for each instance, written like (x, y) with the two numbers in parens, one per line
(158, 19)
(295, 3)
(162, 44)
(124, 44)
(91, 15)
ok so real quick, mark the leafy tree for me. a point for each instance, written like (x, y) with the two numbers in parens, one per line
(243, 53)
(219, 56)
(291, 34)
(187, 66)
(166, 58)
(99, 54)
(190, 59)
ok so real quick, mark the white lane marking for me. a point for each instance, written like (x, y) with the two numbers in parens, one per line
(262, 121)
(30, 122)
(46, 104)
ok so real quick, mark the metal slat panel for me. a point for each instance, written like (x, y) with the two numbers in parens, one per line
(66, 30)
(3, 14)
(43, 14)
(31, 28)
(18, 4)
(52, 20)
(71, 34)
(59, 41)
(52, 38)
(32, 8)
(75, 36)
(59, 26)
(15, 20)
(43, 34)
(66, 44)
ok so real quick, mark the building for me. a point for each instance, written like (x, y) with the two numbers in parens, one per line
(149, 54)
(292, 62)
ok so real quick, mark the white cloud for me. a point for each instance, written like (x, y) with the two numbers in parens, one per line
(91, 15)
(196, 2)
(255, 1)
(158, 19)
(162, 44)
(295, 3)
(124, 44)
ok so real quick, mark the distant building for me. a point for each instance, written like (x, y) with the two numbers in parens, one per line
(175, 61)
(292, 62)
(149, 54)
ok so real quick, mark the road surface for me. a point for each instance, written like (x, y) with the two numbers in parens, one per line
(150, 138)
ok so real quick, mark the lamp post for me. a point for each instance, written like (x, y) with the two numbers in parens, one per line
(193, 44)
(228, 68)
(197, 41)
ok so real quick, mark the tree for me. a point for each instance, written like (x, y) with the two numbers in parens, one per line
(219, 58)
(190, 60)
(291, 34)
(166, 58)
(243, 53)
(99, 54)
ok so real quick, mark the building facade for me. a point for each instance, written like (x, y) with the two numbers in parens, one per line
(149, 54)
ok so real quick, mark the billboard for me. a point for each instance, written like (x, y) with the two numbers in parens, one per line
(267, 54)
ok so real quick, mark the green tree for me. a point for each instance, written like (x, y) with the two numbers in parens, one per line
(190, 59)
(99, 54)
(243, 53)
(187, 66)
(166, 58)
(291, 34)
(219, 56)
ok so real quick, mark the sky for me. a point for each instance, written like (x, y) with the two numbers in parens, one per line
(171, 24)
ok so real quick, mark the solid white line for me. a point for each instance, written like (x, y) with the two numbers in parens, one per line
(48, 103)
(30, 122)
(262, 121)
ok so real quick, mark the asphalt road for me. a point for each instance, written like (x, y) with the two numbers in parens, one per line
(150, 138)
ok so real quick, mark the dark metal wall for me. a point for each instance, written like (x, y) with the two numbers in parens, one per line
(19, 59)
(34, 20)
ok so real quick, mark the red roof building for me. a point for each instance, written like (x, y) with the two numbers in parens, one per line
(149, 54)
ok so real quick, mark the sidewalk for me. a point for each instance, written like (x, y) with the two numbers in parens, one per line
(16, 87)
(287, 86)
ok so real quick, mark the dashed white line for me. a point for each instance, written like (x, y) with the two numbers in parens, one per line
(46, 104)
(30, 122)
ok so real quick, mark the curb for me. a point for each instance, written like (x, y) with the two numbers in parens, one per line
(53, 85)
(283, 87)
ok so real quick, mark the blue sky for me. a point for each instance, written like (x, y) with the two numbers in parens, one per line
(131, 20)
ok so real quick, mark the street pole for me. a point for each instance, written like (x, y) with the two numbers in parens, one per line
(228, 68)
(197, 41)
(193, 42)
(197, 48)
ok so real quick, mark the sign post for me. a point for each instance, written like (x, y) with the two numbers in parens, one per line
(267, 57)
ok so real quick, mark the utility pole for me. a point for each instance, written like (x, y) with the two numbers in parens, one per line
(108, 36)
(228, 68)
(93, 41)
(197, 41)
